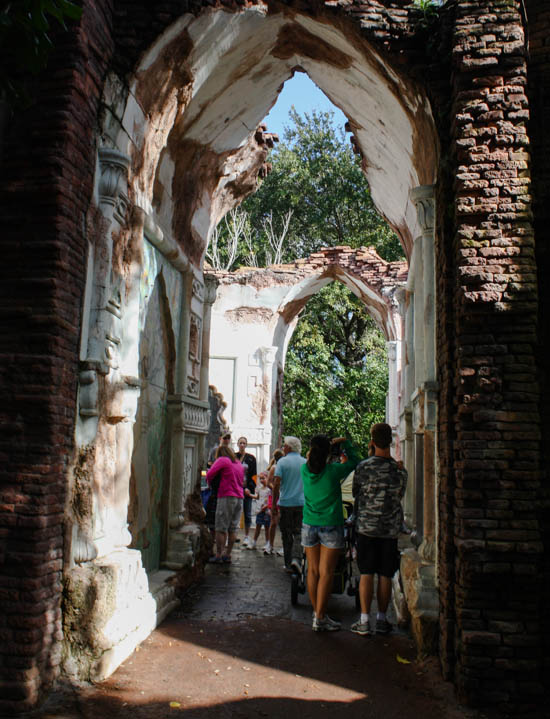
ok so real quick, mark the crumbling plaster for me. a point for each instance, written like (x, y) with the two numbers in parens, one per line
(254, 316)
(219, 75)
(179, 147)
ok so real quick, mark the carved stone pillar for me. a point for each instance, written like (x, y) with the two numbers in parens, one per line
(268, 359)
(209, 297)
(418, 573)
(427, 549)
(102, 366)
(392, 416)
(418, 271)
(192, 417)
(423, 198)
(210, 287)
(409, 361)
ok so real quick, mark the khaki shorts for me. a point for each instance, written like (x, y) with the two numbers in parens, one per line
(228, 514)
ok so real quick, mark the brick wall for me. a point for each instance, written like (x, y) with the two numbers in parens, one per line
(497, 586)
(48, 159)
(490, 544)
(538, 14)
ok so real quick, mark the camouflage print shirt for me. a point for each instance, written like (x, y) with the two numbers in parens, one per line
(378, 487)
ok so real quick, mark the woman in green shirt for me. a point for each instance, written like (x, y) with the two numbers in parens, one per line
(323, 521)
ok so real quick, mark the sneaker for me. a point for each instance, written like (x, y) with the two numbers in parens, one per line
(267, 548)
(361, 628)
(280, 553)
(246, 542)
(323, 625)
(333, 622)
(251, 545)
(383, 626)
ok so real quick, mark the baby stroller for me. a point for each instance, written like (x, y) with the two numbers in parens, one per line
(344, 579)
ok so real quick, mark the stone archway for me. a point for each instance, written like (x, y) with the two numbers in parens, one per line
(175, 154)
(151, 156)
(254, 316)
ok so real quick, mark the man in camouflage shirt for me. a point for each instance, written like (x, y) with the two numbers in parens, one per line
(378, 486)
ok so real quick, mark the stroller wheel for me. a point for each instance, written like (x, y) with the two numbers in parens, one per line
(294, 588)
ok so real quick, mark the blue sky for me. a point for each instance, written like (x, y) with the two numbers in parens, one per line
(301, 92)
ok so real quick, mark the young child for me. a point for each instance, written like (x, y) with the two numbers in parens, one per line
(263, 518)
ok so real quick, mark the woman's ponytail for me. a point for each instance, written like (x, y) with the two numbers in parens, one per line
(318, 453)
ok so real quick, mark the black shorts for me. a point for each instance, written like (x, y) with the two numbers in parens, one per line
(377, 555)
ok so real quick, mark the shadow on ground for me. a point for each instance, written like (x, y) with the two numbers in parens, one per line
(237, 648)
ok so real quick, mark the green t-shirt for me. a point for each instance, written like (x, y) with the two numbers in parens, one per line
(322, 493)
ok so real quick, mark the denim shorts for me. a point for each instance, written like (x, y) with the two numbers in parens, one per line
(263, 519)
(330, 537)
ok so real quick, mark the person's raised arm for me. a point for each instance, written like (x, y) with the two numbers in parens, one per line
(341, 470)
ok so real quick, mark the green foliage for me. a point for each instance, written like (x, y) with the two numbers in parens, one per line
(428, 15)
(316, 196)
(336, 375)
(25, 29)
(317, 177)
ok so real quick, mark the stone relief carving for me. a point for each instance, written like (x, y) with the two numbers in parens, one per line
(423, 199)
(198, 290)
(195, 337)
(89, 390)
(192, 387)
(113, 166)
(210, 289)
(188, 470)
(106, 322)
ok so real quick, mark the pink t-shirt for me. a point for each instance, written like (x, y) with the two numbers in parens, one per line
(231, 477)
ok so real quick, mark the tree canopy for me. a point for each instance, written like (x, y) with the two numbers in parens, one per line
(316, 196)
(317, 189)
(336, 370)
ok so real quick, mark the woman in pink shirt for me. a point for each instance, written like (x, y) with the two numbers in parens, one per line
(230, 504)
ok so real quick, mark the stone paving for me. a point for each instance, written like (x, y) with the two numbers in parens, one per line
(256, 585)
(238, 649)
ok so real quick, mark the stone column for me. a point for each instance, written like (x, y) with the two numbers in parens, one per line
(210, 287)
(406, 367)
(103, 362)
(409, 360)
(418, 309)
(392, 408)
(268, 360)
(423, 198)
(176, 509)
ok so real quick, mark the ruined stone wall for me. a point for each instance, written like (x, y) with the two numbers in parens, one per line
(490, 548)
(48, 168)
(495, 485)
(538, 16)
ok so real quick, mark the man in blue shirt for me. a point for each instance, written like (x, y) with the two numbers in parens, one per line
(289, 491)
